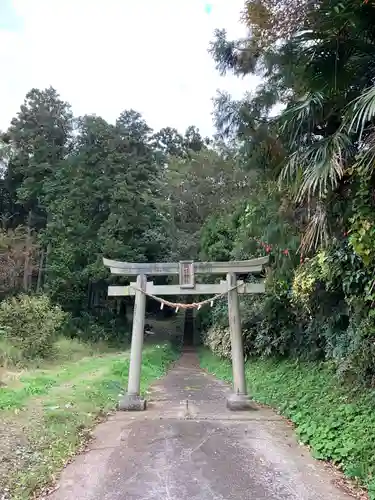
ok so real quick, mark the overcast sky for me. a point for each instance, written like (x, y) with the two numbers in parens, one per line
(104, 56)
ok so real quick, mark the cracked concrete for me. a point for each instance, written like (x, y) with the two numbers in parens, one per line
(188, 446)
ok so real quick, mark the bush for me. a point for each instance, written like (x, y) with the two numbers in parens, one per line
(31, 324)
(217, 335)
(267, 328)
(218, 341)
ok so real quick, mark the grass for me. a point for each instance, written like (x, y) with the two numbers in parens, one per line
(46, 414)
(336, 421)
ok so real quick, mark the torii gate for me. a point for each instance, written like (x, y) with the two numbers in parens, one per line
(186, 270)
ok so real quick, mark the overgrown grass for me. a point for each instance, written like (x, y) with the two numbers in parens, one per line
(63, 349)
(336, 421)
(46, 413)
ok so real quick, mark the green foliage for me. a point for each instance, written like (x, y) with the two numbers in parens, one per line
(362, 225)
(200, 186)
(108, 189)
(217, 236)
(268, 329)
(104, 199)
(31, 324)
(335, 420)
(264, 224)
(310, 205)
(324, 82)
(38, 140)
(314, 308)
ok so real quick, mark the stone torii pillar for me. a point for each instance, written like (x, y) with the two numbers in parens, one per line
(133, 400)
(186, 270)
(239, 400)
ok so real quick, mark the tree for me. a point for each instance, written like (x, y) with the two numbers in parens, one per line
(193, 139)
(39, 139)
(315, 61)
(199, 186)
(105, 199)
(169, 142)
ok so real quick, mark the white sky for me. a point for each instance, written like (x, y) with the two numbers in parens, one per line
(104, 56)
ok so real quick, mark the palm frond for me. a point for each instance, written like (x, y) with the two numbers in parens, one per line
(324, 164)
(226, 115)
(317, 232)
(365, 160)
(363, 109)
(292, 168)
(319, 166)
(301, 117)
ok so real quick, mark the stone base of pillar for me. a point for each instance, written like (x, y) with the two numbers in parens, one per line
(240, 402)
(131, 402)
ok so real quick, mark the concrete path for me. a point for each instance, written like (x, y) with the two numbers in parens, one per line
(196, 451)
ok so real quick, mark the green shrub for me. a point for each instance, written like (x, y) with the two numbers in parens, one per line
(268, 327)
(31, 324)
(217, 335)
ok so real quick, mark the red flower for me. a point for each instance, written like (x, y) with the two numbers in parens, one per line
(268, 249)
(286, 252)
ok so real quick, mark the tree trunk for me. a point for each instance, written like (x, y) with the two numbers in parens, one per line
(45, 268)
(40, 271)
(26, 270)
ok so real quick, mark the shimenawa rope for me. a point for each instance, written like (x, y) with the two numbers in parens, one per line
(178, 305)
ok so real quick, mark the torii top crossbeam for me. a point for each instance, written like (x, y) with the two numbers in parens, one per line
(253, 266)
